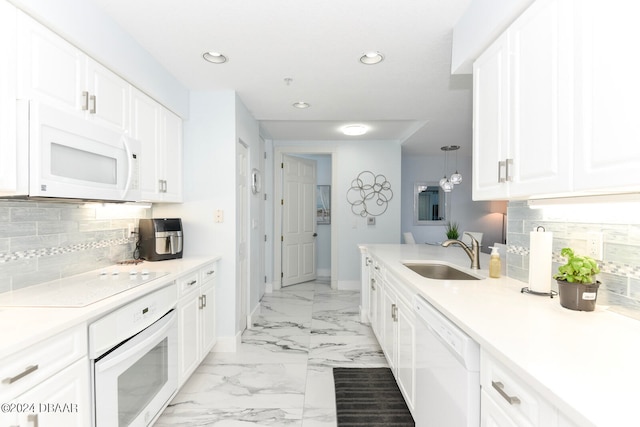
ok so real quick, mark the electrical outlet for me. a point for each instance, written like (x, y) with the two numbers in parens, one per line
(594, 245)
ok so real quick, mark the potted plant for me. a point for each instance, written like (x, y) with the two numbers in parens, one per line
(577, 285)
(452, 230)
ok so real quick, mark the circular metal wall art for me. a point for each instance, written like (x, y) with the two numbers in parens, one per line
(369, 194)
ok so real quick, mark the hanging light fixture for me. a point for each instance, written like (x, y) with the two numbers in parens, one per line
(456, 178)
(447, 184)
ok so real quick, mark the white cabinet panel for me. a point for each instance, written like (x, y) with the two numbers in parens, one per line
(10, 158)
(111, 96)
(62, 400)
(406, 353)
(160, 132)
(522, 107)
(607, 155)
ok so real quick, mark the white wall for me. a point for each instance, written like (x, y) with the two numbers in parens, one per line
(470, 215)
(479, 26)
(88, 28)
(209, 185)
(348, 229)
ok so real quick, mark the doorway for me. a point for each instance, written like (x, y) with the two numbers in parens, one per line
(326, 254)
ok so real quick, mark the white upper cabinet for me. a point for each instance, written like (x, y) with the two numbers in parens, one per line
(55, 72)
(555, 110)
(607, 154)
(160, 132)
(522, 131)
(9, 158)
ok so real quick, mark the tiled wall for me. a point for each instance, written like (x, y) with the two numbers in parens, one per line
(42, 241)
(620, 225)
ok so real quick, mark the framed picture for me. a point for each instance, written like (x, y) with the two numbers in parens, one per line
(323, 204)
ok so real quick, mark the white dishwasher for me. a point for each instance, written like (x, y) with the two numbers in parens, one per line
(447, 371)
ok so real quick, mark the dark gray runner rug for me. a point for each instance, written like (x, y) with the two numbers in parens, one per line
(369, 397)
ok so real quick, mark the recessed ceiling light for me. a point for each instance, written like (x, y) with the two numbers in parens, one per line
(301, 105)
(371, 58)
(214, 57)
(354, 130)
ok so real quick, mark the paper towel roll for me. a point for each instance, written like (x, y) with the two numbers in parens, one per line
(540, 276)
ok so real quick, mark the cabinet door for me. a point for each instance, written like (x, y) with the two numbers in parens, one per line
(9, 159)
(208, 318)
(374, 296)
(172, 156)
(491, 415)
(607, 155)
(49, 69)
(491, 121)
(62, 400)
(110, 97)
(188, 335)
(541, 99)
(145, 126)
(406, 353)
(389, 326)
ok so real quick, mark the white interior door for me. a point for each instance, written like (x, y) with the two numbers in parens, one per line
(242, 233)
(298, 242)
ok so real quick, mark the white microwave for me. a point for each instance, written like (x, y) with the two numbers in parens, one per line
(73, 157)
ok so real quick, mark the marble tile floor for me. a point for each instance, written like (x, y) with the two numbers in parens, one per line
(282, 373)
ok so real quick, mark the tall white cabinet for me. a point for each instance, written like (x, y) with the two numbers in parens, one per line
(9, 158)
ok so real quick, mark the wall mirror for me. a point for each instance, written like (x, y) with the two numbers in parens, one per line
(429, 204)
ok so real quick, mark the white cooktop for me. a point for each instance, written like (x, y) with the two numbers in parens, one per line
(80, 290)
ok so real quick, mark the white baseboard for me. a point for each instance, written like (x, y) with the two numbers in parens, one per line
(349, 285)
(227, 344)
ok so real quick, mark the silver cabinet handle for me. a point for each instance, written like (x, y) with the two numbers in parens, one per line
(28, 370)
(200, 302)
(85, 100)
(33, 418)
(160, 186)
(164, 185)
(513, 400)
(394, 312)
(509, 163)
(376, 267)
(204, 301)
(368, 261)
(373, 284)
(501, 164)
(92, 104)
(210, 272)
(191, 283)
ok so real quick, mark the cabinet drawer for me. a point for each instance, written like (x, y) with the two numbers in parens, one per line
(208, 272)
(188, 282)
(518, 401)
(23, 370)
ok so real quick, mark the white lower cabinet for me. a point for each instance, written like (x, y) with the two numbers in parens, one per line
(397, 337)
(506, 400)
(47, 384)
(62, 400)
(196, 319)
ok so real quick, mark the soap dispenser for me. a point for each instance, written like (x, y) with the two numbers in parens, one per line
(494, 262)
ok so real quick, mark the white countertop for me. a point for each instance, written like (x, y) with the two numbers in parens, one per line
(25, 326)
(584, 363)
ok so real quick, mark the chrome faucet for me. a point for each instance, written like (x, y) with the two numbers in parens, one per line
(473, 252)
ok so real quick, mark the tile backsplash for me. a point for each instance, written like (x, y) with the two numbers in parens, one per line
(620, 227)
(42, 241)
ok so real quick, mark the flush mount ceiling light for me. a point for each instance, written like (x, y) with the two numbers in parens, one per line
(354, 130)
(371, 58)
(301, 105)
(214, 57)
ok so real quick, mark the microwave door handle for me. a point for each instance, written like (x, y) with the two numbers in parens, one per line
(127, 149)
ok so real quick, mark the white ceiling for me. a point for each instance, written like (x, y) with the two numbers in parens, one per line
(410, 96)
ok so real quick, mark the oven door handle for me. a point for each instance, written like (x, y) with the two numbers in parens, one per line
(147, 342)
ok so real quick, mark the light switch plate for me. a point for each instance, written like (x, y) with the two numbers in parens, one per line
(595, 245)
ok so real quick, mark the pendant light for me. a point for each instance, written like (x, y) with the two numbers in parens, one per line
(456, 178)
(445, 183)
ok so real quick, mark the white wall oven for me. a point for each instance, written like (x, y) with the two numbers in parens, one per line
(71, 157)
(134, 361)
